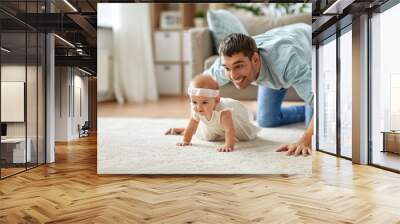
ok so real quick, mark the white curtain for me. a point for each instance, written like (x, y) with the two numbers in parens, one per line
(134, 76)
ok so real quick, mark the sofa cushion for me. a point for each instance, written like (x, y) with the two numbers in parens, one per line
(260, 24)
(222, 23)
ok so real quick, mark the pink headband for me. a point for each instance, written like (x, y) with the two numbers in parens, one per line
(203, 92)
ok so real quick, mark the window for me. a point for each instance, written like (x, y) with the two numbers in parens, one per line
(385, 89)
(106, 14)
(327, 96)
(346, 94)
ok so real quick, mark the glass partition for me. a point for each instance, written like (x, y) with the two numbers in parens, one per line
(22, 77)
(13, 109)
(327, 96)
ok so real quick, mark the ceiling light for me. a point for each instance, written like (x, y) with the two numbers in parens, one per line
(84, 71)
(5, 50)
(64, 40)
(70, 5)
(338, 6)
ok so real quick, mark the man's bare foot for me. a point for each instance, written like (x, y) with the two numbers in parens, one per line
(175, 131)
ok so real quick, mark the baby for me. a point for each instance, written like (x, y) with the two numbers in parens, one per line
(215, 118)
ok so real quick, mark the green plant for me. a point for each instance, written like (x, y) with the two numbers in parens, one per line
(259, 9)
(289, 8)
(255, 9)
(199, 14)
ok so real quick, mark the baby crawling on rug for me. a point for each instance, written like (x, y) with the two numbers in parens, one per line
(214, 118)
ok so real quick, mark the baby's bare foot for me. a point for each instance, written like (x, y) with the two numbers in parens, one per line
(225, 148)
(183, 143)
(175, 131)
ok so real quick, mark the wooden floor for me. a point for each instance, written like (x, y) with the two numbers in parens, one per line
(10, 171)
(70, 191)
(387, 159)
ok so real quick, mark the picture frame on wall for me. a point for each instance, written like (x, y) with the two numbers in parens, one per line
(170, 20)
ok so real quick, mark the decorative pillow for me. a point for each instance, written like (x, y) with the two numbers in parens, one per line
(222, 23)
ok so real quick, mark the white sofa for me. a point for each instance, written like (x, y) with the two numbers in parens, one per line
(204, 53)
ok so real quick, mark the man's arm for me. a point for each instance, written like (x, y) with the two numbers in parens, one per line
(303, 146)
(217, 72)
(300, 78)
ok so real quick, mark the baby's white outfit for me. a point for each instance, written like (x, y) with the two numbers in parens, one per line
(212, 130)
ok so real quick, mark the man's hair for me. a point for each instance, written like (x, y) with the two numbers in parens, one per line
(237, 43)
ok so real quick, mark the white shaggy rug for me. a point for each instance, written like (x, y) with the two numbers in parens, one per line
(139, 146)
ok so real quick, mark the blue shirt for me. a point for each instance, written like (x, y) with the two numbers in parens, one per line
(285, 60)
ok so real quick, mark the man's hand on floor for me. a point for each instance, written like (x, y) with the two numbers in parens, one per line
(295, 149)
(175, 131)
(303, 146)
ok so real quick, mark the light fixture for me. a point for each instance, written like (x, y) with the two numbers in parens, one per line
(338, 6)
(64, 40)
(70, 5)
(80, 51)
(84, 71)
(5, 50)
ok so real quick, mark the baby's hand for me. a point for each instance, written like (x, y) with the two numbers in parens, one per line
(225, 148)
(183, 143)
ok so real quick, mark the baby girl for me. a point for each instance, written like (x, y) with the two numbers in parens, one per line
(214, 118)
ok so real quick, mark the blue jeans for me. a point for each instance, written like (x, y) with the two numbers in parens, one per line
(270, 112)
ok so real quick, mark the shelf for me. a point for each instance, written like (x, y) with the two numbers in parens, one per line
(186, 11)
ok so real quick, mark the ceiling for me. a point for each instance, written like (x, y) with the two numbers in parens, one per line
(329, 16)
(75, 22)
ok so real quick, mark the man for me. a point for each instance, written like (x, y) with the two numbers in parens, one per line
(275, 61)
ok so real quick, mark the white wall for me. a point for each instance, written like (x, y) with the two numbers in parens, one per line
(17, 73)
(69, 85)
(34, 126)
(12, 73)
(80, 99)
(61, 103)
